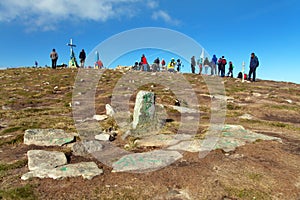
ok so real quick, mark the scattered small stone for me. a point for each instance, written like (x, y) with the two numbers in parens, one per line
(100, 117)
(256, 94)
(109, 110)
(76, 103)
(6, 108)
(103, 137)
(246, 116)
(5, 136)
(289, 101)
(55, 88)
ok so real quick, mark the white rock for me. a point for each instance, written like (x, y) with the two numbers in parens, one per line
(109, 110)
(289, 101)
(256, 94)
(100, 117)
(103, 137)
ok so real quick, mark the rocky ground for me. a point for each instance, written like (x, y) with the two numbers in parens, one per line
(42, 99)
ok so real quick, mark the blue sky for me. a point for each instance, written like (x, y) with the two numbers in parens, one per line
(29, 29)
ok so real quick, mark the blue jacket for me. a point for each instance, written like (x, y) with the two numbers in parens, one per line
(215, 59)
(254, 62)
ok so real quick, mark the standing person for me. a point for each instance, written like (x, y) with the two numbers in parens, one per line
(144, 63)
(193, 64)
(230, 70)
(219, 66)
(178, 65)
(206, 65)
(163, 63)
(82, 57)
(200, 63)
(223, 65)
(254, 63)
(54, 57)
(213, 64)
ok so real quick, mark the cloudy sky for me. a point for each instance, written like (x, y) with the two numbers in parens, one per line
(31, 28)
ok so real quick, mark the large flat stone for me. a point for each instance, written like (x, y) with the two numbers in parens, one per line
(231, 137)
(145, 162)
(86, 147)
(87, 170)
(40, 159)
(47, 137)
(162, 140)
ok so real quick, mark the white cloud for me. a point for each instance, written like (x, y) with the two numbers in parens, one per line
(152, 4)
(163, 15)
(47, 13)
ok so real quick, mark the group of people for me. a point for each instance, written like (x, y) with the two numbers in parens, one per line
(216, 65)
(54, 58)
(221, 65)
(172, 66)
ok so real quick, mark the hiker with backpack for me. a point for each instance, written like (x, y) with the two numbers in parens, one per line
(223, 65)
(254, 63)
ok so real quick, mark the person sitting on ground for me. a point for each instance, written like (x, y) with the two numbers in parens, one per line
(230, 73)
(171, 65)
(136, 66)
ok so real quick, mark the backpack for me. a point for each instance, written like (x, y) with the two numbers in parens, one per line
(224, 62)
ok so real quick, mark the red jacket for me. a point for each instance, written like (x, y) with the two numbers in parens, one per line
(144, 60)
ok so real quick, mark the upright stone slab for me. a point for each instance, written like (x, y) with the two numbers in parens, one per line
(40, 159)
(144, 110)
(47, 137)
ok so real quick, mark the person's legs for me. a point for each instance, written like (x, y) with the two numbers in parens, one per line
(200, 69)
(193, 69)
(250, 73)
(254, 74)
(52, 64)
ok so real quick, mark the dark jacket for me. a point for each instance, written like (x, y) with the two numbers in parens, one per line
(254, 62)
(82, 55)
